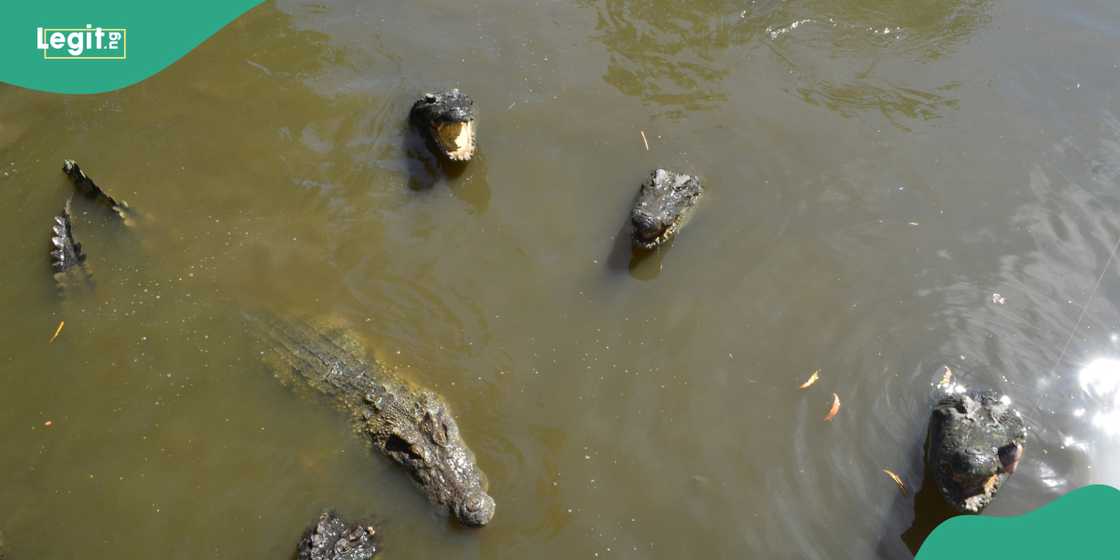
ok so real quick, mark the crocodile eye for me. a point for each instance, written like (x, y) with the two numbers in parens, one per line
(436, 429)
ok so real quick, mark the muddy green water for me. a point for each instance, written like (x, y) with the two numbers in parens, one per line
(876, 171)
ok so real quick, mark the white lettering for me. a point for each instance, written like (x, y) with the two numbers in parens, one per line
(75, 40)
(79, 42)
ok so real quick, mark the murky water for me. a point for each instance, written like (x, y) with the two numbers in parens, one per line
(876, 171)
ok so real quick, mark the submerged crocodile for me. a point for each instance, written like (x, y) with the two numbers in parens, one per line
(447, 120)
(332, 538)
(87, 187)
(67, 257)
(974, 443)
(663, 206)
(411, 425)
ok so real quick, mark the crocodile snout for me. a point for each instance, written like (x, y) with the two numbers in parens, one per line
(476, 510)
(647, 227)
(458, 115)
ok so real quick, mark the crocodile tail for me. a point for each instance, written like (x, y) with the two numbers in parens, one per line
(65, 252)
(87, 187)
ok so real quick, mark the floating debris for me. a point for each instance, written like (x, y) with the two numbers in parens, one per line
(998, 299)
(644, 141)
(812, 379)
(946, 379)
(832, 412)
(56, 331)
(48, 423)
(898, 480)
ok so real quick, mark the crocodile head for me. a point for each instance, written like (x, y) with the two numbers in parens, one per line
(333, 538)
(430, 447)
(87, 187)
(975, 443)
(447, 119)
(662, 207)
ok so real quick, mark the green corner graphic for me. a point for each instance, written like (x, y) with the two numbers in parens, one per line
(1077, 525)
(99, 46)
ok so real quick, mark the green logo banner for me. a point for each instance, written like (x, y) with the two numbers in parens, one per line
(1077, 525)
(73, 46)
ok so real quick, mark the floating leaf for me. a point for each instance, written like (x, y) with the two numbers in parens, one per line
(835, 408)
(56, 331)
(897, 480)
(812, 379)
(946, 378)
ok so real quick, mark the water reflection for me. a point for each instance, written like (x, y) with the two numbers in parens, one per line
(930, 510)
(425, 170)
(641, 264)
(678, 56)
(897, 104)
(1100, 380)
(1099, 411)
(666, 53)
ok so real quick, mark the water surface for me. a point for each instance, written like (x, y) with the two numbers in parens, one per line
(876, 170)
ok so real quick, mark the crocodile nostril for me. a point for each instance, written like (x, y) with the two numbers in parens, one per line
(476, 510)
(458, 114)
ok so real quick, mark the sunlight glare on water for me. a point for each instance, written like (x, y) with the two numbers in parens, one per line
(1100, 380)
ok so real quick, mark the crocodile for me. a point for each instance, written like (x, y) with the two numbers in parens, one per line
(663, 206)
(974, 443)
(411, 425)
(87, 187)
(447, 120)
(332, 538)
(67, 257)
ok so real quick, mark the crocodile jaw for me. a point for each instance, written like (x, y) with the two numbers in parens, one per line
(652, 242)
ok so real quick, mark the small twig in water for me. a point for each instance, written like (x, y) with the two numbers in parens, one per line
(56, 331)
(644, 141)
(897, 480)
